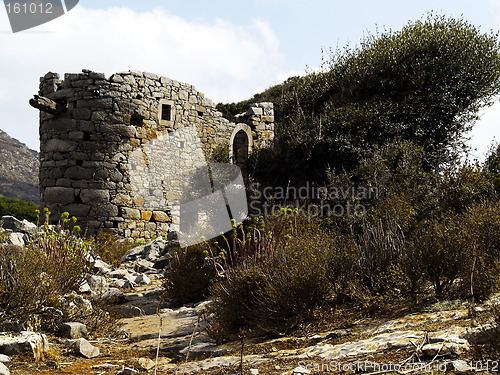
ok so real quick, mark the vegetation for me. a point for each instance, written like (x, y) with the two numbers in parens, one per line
(19, 209)
(391, 115)
(189, 276)
(53, 264)
(423, 84)
(276, 273)
(386, 118)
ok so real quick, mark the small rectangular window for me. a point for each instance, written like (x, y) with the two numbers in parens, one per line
(166, 112)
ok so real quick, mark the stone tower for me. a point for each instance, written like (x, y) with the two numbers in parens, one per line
(90, 126)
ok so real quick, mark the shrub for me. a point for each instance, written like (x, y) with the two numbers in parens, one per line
(380, 248)
(111, 248)
(19, 209)
(282, 278)
(220, 154)
(482, 260)
(189, 276)
(463, 185)
(441, 247)
(54, 263)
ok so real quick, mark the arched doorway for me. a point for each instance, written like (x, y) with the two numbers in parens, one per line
(240, 148)
(240, 145)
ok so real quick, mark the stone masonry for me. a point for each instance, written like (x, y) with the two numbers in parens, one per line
(90, 127)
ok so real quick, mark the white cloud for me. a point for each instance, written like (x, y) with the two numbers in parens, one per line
(485, 132)
(223, 60)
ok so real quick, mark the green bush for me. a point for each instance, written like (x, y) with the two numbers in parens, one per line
(441, 249)
(53, 264)
(19, 209)
(463, 185)
(220, 154)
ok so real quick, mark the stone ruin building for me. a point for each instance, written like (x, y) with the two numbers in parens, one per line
(91, 126)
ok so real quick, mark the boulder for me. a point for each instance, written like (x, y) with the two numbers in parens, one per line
(83, 348)
(101, 267)
(32, 342)
(17, 239)
(85, 288)
(75, 304)
(73, 330)
(97, 283)
(128, 311)
(4, 358)
(132, 254)
(143, 265)
(154, 250)
(114, 296)
(142, 279)
(15, 225)
(162, 262)
(4, 370)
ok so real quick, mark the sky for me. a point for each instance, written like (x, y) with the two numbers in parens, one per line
(230, 50)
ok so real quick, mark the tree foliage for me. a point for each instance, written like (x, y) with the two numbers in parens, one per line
(423, 84)
(19, 209)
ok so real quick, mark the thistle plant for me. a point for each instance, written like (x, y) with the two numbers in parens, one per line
(243, 247)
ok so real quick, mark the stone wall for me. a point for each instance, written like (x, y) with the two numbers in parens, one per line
(94, 125)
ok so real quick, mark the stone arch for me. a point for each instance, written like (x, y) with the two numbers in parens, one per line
(240, 144)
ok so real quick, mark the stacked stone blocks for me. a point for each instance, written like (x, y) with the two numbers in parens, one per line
(85, 148)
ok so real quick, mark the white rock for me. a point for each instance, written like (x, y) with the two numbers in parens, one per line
(4, 370)
(114, 296)
(97, 283)
(83, 347)
(132, 254)
(73, 330)
(17, 239)
(142, 279)
(390, 340)
(4, 358)
(85, 287)
(101, 267)
(32, 342)
(301, 370)
(25, 227)
(146, 363)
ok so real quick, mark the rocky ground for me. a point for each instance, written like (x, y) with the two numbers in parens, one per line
(438, 340)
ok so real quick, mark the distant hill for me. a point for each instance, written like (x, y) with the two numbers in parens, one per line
(18, 170)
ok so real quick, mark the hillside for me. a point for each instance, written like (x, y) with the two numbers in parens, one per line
(18, 170)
